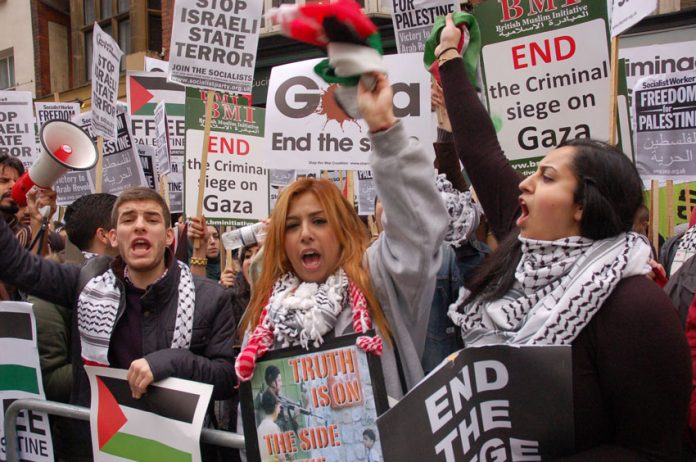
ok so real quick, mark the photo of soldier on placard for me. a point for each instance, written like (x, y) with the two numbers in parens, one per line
(321, 404)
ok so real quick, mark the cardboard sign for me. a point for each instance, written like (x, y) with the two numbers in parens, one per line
(487, 403)
(665, 115)
(17, 135)
(413, 20)
(546, 74)
(164, 424)
(236, 189)
(314, 405)
(214, 44)
(20, 377)
(106, 62)
(307, 129)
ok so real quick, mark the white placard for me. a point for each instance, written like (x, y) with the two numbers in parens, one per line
(106, 59)
(305, 129)
(214, 44)
(17, 135)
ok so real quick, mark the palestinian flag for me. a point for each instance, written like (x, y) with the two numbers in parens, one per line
(163, 425)
(146, 89)
(20, 377)
(17, 335)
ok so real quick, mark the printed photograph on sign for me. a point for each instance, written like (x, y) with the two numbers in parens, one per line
(321, 404)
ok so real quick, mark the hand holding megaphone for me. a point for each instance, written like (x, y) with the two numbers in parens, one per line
(64, 146)
(41, 203)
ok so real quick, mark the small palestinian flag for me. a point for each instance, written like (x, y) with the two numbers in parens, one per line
(164, 425)
(146, 89)
(18, 372)
(20, 378)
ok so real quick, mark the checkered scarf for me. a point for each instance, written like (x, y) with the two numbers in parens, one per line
(97, 308)
(298, 313)
(463, 213)
(559, 286)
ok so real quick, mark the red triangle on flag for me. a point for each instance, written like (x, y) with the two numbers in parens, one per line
(110, 417)
(139, 95)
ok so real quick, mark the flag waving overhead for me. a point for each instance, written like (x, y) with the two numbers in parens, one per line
(164, 425)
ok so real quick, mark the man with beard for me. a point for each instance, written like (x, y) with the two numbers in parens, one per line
(10, 171)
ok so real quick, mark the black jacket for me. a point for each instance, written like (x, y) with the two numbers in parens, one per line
(210, 358)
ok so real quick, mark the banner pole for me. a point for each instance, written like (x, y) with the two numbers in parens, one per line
(655, 215)
(614, 79)
(98, 185)
(687, 201)
(210, 98)
(669, 191)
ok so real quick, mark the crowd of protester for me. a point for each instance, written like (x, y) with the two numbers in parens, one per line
(569, 265)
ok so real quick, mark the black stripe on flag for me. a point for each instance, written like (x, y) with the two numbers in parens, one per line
(157, 83)
(15, 325)
(165, 402)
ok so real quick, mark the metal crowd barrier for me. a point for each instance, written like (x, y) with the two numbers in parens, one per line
(208, 435)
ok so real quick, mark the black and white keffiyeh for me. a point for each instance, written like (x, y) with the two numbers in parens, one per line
(463, 213)
(559, 286)
(97, 308)
(688, 241)
(303, 312)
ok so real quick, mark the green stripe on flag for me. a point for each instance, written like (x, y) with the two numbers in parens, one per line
(16, 377)
(172, 109)
(143, 449)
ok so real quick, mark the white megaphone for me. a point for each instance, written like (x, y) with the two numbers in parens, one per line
(64, 146)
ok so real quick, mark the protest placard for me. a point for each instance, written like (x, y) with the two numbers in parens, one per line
(625, 14)
(546, 74)
(161, 140)
(277, 180)
(106, 62)
(313, 405)
(307, 129)
(214, 44)
(147, 158)
(55, 111)
(20, 377)
(143, 91)
(665, 115)
(122, 168)
(236, 180)
(156, 65)
(17, 134)
(413, 20)
(163, 425)
(366, 193)
(487, 403)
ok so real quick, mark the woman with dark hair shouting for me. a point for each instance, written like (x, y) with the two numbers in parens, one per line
(569, 271)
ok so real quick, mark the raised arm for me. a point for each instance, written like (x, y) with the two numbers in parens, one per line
(492, 176)
(37, 276)
(404, 260)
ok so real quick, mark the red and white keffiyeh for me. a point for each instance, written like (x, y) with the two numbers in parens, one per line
(298, 313)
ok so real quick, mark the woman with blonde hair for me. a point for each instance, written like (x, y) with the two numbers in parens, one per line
(321, 276)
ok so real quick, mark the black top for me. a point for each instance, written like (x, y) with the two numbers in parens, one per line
(631, 363)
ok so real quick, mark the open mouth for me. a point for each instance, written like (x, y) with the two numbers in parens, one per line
(311, 259)
(140, 247)
(524, 213)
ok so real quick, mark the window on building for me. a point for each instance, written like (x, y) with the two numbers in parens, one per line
(7, 73)
(117, 18)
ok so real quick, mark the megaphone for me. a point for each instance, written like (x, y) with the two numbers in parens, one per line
(64, 146)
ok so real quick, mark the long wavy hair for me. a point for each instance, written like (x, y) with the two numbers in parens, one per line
(352, 238)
